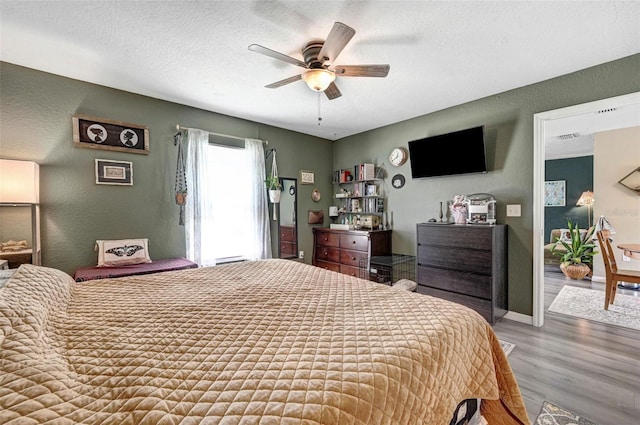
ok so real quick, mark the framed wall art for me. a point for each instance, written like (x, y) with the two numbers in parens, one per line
(100, 133)
(554, 193)
(118, 173)
(307, 177)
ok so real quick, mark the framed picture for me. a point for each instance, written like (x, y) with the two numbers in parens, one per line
(554, 193)
(316, 217)
(114, 172)
(100, 133)
(307, 177)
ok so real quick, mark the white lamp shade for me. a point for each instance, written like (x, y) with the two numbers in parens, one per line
(19, 182)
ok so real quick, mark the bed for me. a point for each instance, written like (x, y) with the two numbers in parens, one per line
(263, 342)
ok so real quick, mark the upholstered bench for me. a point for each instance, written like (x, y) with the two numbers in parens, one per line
(169, 264)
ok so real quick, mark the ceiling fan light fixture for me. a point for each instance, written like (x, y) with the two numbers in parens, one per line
(318, 79)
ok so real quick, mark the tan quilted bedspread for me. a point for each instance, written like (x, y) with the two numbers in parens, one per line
(265, 342)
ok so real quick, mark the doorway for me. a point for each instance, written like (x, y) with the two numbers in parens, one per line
(541, 123)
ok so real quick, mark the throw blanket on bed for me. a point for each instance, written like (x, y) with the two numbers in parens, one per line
(265, 342)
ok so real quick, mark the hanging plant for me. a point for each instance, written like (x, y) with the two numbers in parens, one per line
(275, 189)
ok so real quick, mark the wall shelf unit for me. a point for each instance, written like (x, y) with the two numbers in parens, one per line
(358, 196)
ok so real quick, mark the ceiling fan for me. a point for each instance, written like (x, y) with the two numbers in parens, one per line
(319, 57)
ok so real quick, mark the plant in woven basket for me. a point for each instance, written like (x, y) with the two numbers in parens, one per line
(578, 252)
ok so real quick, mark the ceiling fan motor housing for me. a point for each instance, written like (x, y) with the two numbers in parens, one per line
(310, 53)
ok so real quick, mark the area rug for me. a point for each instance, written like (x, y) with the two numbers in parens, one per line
(507, 347)
(589, 304)
(550, 414)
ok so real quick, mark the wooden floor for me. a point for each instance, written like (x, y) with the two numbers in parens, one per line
(588, 367)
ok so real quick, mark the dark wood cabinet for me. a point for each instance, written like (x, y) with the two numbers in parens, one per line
(346, 251)
(288, 241)
(466, 264)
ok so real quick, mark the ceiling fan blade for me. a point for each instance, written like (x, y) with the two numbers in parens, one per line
(284, 82)
(362, 70)
(336, 40)
(276, 55)
(332, 91)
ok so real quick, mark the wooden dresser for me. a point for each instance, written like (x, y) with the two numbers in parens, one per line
(343, 250)
(466, 264)
(288, 242)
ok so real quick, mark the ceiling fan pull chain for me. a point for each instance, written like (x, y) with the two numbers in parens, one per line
(319, 117)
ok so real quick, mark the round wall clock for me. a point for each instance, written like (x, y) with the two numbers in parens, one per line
(397, 181)
(398, 156)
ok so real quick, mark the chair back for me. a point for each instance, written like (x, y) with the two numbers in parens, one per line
(607, 252)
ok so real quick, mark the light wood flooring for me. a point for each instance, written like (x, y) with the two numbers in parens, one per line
(588, 367)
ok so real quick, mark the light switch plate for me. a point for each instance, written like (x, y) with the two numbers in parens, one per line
(514, 210)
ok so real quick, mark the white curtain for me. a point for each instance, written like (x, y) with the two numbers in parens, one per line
(259, 245)
(199, 199)
(205, 228)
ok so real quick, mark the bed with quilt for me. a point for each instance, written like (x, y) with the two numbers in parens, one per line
(262, 342)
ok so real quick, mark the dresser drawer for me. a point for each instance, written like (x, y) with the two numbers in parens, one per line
(287, 248)
(455, 281)
(328, 265)
(470, 260)
(287, 234)
(350, 270)
(328, 253)
(357, 242)
(456, 236)
(353, 258)
(483, 307)
(327, 239)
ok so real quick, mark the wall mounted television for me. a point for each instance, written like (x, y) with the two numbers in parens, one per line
(459, 152)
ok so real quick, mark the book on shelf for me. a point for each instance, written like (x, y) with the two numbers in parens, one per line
(364, 171)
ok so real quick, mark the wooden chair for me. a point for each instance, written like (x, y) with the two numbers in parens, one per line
(613, 274)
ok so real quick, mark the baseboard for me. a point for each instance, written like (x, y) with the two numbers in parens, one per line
(598, 279)
(519, 317)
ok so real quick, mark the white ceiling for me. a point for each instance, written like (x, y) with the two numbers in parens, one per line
(441, 53)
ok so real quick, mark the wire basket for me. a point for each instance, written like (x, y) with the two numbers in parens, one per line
(388, 269)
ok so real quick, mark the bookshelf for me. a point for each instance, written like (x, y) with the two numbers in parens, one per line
(358, 196)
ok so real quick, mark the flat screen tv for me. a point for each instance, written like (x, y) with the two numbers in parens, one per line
(459, 152)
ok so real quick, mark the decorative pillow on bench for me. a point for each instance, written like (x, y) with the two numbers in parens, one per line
(122, 252)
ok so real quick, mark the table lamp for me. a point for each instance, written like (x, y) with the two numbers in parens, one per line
(20, 186)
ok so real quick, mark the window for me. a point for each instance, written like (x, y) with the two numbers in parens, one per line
(224, 227)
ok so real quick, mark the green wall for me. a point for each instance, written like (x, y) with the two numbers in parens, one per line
(35, 124)
(578, 176)
(508, 121)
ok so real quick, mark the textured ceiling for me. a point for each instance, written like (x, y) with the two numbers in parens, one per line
(442, 53)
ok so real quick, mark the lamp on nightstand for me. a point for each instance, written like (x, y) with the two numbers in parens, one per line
(20, 186)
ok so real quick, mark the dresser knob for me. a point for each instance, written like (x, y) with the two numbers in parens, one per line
(353, 242)
(353, 258)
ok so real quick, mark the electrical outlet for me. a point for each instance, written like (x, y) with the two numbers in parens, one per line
(514, 210)
(625, 258)
(301, 254)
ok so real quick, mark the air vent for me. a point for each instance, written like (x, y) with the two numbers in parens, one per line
(605, 111)
(568, 136)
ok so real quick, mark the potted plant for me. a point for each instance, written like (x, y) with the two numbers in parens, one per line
(576, 253)
(274, 186)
